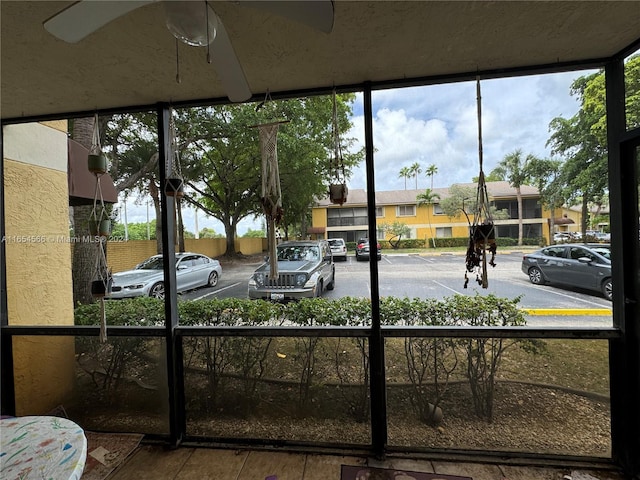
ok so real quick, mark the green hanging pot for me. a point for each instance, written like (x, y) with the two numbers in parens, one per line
(104, 228)
(97, 163)
(174, 187)
(100, 227)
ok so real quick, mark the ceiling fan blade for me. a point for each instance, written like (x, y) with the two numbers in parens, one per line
(317, 14)
(226, 63)
(85, 17)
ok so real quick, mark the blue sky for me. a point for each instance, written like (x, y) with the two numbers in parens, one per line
(439, 125)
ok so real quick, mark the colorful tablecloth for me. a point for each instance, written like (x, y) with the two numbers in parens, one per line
(43, 448)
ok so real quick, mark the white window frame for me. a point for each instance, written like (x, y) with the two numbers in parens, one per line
(413, 208)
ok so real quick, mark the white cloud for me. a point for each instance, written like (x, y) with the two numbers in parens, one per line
(439, 125)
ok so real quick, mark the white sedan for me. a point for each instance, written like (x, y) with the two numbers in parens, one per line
(193, 270)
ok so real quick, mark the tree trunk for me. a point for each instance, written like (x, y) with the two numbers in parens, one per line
(84, 251)
(520, 227)
(585, 217)
(230, 233)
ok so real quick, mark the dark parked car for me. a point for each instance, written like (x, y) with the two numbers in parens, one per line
(584, 266)
(362, 250)
(305, 269)
(147, 278)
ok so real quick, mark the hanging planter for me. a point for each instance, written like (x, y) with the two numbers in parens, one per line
(174, 187)
(97, 163)
(483, 232)
(338, 193)
(101, 288)
(174, 184)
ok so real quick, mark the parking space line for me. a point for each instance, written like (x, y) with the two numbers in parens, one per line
(217, 291)
(448, 288)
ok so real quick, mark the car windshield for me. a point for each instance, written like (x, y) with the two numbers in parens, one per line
(292, 253)
(153, 263)
(335, 243)
(604, 251)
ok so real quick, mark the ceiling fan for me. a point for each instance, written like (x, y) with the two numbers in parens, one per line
(194, 23)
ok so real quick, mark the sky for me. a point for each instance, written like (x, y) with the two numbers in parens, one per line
(438, 125)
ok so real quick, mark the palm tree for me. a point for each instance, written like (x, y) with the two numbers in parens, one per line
(415, 171)
(515, 170)
(405, 172)
(431, 171)
(428, 198)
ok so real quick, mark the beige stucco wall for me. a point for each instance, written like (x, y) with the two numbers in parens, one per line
(39, 285)
(123, 256)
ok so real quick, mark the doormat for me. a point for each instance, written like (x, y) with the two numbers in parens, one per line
(106, 451)
(354, 472)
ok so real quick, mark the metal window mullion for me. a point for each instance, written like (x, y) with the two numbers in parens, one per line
(376, 341)
(7, 386)
(175, 379)
(624, 352)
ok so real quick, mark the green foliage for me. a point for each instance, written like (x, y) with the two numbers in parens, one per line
(207, 232)
(250, 233)
(396, 230)
(235, 367)
(223, 162)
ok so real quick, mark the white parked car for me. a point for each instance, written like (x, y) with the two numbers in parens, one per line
(338, 248)
(193, 270)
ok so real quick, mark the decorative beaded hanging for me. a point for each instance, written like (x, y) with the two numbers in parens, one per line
(481, 232)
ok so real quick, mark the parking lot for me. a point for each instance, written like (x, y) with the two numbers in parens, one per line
(439, 276)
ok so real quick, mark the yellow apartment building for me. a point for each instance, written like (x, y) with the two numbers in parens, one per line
(349, 221)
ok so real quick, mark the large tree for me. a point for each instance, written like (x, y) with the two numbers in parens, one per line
(223, 167)
(513, 167)
(431, 171)
(545, 174)
(577, 139)
(428, 198)
(405, 172)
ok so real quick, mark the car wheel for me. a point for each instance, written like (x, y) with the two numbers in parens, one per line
(213, 279)
(331, 285)
(319, 289)
(535, 276)
(157, 290)
(607, 289)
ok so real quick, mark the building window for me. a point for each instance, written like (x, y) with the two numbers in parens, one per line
(437, 209)
(443, 232)
(346, 217)
(406, 211)
(379, 211)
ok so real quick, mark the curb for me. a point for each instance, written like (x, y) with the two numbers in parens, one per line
(567, 311)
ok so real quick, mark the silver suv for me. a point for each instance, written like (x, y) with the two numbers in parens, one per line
(305, 269)
(338, 249)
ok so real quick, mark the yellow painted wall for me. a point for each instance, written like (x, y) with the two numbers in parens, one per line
(319, 217)
(123, 256)
(39, 285)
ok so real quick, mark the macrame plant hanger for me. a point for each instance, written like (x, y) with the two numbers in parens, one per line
(338, 190)
(271, 198)
(100, 228)
(174, 184)
(481, 231)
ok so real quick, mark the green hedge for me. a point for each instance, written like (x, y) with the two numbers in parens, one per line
(481, 310)
(237, 372)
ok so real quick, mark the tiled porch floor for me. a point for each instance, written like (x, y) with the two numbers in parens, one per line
(158, 463)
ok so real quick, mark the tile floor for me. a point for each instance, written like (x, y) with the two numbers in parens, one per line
(158, 463)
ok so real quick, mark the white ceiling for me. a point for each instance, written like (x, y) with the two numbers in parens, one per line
(132, 60)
